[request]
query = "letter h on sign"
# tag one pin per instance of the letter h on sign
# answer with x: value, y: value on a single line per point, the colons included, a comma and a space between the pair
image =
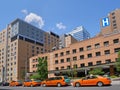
x: 105, y: 22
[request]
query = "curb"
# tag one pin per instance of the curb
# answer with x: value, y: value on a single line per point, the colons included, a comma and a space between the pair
x: 115, y: 83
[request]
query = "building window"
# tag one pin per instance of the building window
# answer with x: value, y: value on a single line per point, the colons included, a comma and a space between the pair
x: 74, y: 51
x: 37, y: 48
x: 81, y: 49
x: 74, y: 58
x: 116, y: 59
x: 56, y: 55
x: 61, y: 54
x: 81, y: 57
x: 107, y: 61
x: 114, y: 25
x: 89, y: 55
x: 67, y: 52
x: 107, y: 52
x: 33, y: 66
x: 43, y: 58
x: 56, y: 61
x: 97, y: 45
x: 37, y: 60
x: 89, y: 47
x: 75, y: 66
x: 113, y: 13
x: 116, y: 41
x: 62, y: 67
x: 68, y: 59
x: 62, y: 60
x: 113, y: 17
x: 33, y: 47
x: 90, y: 64
x: 33, y: 60
x: 37, y: 52
x: 36, y: 65
x: 82, y: 65
x: 68, y: 67
x: 98, y: 62
x: 106, y: 43
x: 116, y: 50
x: 46, y: 57
x: 98, y: 54
x: 56, y: 68
x: 114, y: 21
x: 114, y: 28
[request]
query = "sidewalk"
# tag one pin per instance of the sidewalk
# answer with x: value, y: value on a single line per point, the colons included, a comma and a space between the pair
x: 115, y: 81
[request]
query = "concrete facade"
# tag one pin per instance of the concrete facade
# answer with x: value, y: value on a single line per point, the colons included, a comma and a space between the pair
x: 18, y: 42
x: 99, y: 51
x: 80, y: 33
x: 95, y: 52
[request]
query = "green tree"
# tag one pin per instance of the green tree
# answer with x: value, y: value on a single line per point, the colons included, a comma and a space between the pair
x: 74, y: 71
x: 118, y: 62
x: 35, y: 76
x: 68, y: 73
x: 22, y: 74
x: 96, y: 71
x: 42, y: 69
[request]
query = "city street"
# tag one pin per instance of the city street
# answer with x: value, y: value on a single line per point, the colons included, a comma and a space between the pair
x: 114, y: 86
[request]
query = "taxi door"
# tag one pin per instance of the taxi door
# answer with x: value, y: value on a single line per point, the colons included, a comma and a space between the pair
x: 90, y: 81
x: 49, y: 81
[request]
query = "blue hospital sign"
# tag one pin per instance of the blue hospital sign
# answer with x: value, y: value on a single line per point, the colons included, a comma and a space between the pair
x: 105, y: 22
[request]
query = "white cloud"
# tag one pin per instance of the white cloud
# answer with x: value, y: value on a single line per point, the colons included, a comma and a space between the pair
x: 34, y: 18
x: 24, y: 11
x: 60, y: 26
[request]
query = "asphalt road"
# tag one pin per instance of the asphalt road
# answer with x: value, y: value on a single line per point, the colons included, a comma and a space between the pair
x: 113, y: 87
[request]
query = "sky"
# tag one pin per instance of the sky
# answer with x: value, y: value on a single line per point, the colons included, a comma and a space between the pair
x: 59, y: 16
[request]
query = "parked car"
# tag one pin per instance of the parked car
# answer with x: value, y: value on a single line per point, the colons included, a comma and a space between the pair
x: 31, y: 83
x: 92, y: 80
x: 56, y: 81
x: 4, y: 84
x: 15, y: 83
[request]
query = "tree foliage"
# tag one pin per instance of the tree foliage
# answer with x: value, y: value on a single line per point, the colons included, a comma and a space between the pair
x: 118, y: 62
x: 74, y: 71
x: 42, y: 69
x: 35, y: 76
x: 22, y: 74
x: 96, y: 71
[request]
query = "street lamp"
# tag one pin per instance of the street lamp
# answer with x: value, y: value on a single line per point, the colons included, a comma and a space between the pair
x: 3, y: 73
x: 26, y: 70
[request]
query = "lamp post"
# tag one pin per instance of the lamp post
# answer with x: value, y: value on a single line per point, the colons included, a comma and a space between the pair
x: 71, y: 68
x: 3, y: 73
x: 26, y: 70
x: 85, y: 72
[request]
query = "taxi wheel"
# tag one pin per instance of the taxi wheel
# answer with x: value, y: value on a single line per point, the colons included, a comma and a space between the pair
x: 14, y: 85
x: 99, y: 84
x: 59, y: 84
x: 77, y: 84
x: 44, y: 85
x: 31, y: 85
